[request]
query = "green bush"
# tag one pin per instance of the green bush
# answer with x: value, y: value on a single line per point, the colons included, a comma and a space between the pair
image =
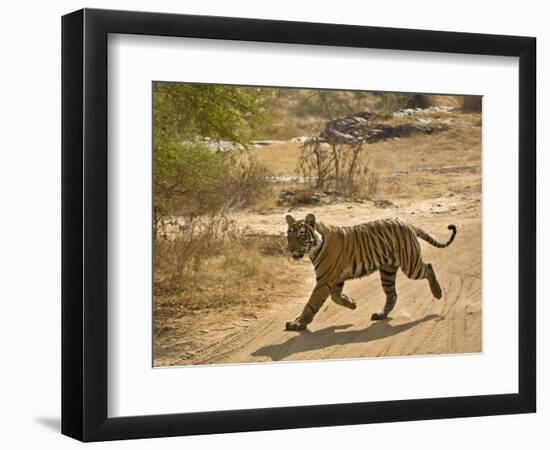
x: 189, y: 177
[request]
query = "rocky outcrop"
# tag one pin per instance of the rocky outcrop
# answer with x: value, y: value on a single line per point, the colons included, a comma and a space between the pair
x: 350, y: 129
x: 356, y: 129
x: 308, y: 197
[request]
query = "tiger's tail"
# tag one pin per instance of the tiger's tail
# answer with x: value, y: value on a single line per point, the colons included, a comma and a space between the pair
x: 430, y: 240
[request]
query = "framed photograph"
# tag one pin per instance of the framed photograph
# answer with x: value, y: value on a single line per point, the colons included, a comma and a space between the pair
x: 273, y: 225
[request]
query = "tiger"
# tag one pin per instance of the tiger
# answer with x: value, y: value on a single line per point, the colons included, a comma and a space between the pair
x: 343, y: 253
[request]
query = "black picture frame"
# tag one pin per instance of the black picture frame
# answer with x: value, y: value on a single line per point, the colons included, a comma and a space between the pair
x: 84, y: 224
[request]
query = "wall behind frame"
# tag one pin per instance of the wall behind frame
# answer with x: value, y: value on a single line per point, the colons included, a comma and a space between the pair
x: 30, y: 225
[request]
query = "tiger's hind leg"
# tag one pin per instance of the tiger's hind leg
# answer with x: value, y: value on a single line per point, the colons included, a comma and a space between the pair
x: 387, y: 276
x: 432, y: 279
x: 421, y: 271
x: 340, y: 298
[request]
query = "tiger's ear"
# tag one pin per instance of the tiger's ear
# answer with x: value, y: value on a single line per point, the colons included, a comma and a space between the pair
x: 310, y: 220
x: 289, y: 219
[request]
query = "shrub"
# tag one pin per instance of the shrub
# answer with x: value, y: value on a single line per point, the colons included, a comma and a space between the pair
x: 244, y: 180
x: 210, y: 265
x: 418, y: 101
x: 179, y: 257
x: 192, y: 179
x: 341, y: 167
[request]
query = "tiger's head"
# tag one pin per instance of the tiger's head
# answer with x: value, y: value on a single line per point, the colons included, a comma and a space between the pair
x: 302, y: 236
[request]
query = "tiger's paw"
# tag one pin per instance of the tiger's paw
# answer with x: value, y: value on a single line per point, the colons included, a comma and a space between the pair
x: 378, y: 316
x: 436, y: 289
x: 295, y: 325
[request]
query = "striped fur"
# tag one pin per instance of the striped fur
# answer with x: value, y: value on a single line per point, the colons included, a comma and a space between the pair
x: 343, y: 253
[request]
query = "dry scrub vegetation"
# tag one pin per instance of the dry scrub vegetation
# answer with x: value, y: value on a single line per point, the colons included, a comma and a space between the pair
x: 212, y: 272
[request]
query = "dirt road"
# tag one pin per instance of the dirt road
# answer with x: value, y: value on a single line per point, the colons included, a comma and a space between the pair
x: 418, y: 325
x: 436, y: 185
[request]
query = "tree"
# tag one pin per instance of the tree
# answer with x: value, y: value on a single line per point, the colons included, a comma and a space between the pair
x: 187, y: 111
x: 186, y: 119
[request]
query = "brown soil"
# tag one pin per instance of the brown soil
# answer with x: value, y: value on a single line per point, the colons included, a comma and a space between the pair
x: 431, y: 181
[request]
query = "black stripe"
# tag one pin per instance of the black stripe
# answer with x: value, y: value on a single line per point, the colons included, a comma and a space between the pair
x: 368, y: 249
x: 320, y: 248
x: 312, y: 308
x: 408, y: 250
x: 360, y: 245
x: 386, y: 272
x: 399, y: 240
x: 376, y: 248
x: 319, y: 262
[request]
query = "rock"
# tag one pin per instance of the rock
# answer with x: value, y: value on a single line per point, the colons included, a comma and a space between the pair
x: 414, y: 111
x: 384, y: 204
x: 348, y: 130
x: 264, y: 143
x: 307, y: 197
x: 299, y: 139
x: 354, y: 129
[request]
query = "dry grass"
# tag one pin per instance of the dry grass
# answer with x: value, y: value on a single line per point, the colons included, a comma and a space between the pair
x: 454, y: 146
x: 245, y: 180
x: 214, y: 277
x: 297, y: 111
x: 280, y: 159
x: 454, y: 101
x: 401, y: 165
x: 464, y: 135
x: 212, y: 266
x: 457, y: 150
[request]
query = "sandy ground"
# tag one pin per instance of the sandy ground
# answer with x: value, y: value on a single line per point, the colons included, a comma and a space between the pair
x: 419, y: 323
x: 432, y: 188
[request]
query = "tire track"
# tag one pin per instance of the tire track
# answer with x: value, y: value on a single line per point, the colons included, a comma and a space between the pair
x: 419, y: 323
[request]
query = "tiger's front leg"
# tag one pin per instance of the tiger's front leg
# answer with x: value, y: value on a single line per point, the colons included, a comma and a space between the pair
x: 316, y: 300
x: 338, y: 297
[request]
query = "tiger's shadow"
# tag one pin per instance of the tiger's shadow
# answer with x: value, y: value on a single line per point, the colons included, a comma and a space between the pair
x: 331, y: 336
